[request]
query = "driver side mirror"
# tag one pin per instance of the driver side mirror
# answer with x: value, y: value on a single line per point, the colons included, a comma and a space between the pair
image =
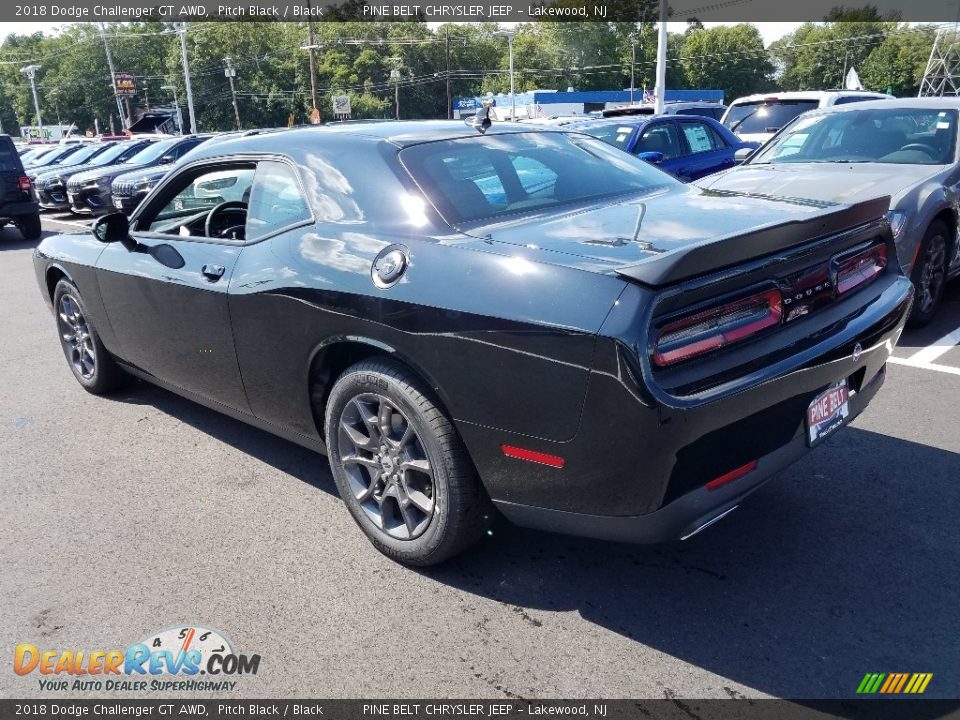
x: 743, y: 154
x: 652, y: 157
x: 112, y: 228
x: 166, y: 159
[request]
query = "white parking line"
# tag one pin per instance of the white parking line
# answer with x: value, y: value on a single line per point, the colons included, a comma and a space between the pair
x: 70, y: 223
x: 937, y: 348
x: 924, y: 366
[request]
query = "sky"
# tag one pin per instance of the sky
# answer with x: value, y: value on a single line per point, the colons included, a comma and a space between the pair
x: 769, y: 30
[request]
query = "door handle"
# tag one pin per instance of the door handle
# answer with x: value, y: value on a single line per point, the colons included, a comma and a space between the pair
x: 212, y: 272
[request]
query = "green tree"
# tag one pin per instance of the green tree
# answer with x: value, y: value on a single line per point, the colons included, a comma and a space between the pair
x: 900, y: 61
x: 729, y: 57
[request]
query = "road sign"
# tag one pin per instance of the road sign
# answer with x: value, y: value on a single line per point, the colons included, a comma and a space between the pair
x: 341, y: 105
x: 124, y: 84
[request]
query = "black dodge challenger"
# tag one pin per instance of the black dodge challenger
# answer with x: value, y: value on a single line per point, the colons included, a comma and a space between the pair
x: 525, y: 317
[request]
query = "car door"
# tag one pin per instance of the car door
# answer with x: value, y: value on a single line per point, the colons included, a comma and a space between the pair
x: 165, y: 290
x: 706, y: 152
x: 660, y: 136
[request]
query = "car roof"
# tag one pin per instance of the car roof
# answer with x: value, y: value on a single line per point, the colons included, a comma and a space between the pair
x: 804, y: 95
x: 401, y: 133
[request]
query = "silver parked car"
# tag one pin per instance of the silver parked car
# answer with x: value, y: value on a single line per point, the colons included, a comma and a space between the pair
x: 905, y: 148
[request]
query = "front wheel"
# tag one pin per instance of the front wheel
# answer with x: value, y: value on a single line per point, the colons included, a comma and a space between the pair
x: 91, y: 364
x: 400, y: 466
x: 929, y: 275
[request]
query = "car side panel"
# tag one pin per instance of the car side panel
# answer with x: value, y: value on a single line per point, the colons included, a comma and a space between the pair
x: 491, y: 333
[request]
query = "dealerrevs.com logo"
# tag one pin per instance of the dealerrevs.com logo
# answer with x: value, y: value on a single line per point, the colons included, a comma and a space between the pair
x: 190, y: 658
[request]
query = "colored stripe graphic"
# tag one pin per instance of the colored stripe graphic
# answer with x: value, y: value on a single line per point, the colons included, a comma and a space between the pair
x: 894, y: 683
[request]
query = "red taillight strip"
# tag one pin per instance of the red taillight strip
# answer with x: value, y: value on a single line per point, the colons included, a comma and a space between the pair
x: 712, y: 329
x: 25, y: 183
x: 519, y: 453
x: 861, y: 268
x: 732, y: 475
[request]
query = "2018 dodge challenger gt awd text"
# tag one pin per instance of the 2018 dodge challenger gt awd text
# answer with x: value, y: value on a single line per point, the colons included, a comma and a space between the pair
x: 526, y: 318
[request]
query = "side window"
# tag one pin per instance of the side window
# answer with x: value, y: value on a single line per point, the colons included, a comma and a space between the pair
x: 700, y: 137
x: 184, y: 148
x: 661, y: 138
x: 843, y: 100
x: 276, y: 200
x: 196, y: 194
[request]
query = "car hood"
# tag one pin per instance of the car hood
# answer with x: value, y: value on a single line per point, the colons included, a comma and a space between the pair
x: 107, y: 171
x: 724, y: 228
x: 839, y: 182
x: 144, y: 173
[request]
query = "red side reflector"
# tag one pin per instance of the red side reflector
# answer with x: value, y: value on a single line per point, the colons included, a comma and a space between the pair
x: 732, y: 475
x: 532, y: 456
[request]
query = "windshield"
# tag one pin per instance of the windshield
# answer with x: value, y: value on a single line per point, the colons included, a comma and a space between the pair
x: 152, y: 153
x: 490, y: 176
x: 56, y: 156
x: 903, y: 136
x: 110, y: 154
x: 81, y: 156
x: 765, y: 116
x: 617, y: 135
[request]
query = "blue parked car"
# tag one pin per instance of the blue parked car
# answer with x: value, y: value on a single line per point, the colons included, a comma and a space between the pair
x: 687, y: 147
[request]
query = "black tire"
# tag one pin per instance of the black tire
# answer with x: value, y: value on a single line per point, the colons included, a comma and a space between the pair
x: 29, y: 226
x: 929, y: 275
x: 460, y: 507
x: 91, y: 364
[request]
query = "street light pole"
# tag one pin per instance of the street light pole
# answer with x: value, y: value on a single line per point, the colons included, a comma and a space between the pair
x: 182, y: 29
x: 508, y: 34
x: 31, y: 72
x: 395, y: 76
x: 231, y: 73
x: 311, y: 44
x: 661, y: 60
x: 633, y: 64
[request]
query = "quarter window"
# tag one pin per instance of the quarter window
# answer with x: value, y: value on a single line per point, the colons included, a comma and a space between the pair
x: 276, y: 201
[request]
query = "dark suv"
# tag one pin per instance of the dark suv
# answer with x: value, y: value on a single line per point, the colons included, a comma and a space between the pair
x: 17, y: 203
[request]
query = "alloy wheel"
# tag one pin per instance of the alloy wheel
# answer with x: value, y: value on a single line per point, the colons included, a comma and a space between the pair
x: 932, y: 274
x: 386, y: 465
x: 76, y: 337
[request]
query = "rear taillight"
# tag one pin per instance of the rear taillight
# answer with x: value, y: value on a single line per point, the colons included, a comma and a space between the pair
x: 717, y: 327
x: 854, y: 271
x: 25, y: 183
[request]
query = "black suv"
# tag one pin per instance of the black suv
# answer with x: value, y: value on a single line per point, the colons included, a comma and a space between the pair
x: 17, y: 203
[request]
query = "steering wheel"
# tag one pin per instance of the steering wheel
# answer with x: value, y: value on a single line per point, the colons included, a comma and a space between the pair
x: 229, y: 207
x: 921, y: 147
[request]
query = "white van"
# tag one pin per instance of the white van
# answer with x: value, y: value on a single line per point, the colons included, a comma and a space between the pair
x: 758, y: 117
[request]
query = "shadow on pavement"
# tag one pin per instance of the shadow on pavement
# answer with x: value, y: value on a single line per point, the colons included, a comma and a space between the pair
x: 844, y: 564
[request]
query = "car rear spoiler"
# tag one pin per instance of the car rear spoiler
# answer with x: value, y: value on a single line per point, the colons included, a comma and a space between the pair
x: 716, y: 254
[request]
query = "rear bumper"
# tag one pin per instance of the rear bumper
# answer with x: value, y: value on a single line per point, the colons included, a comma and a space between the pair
x: 689, y: 513
x: 638, y: 467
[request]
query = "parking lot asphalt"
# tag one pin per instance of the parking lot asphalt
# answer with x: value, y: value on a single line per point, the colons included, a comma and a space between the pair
x: 142, y: 511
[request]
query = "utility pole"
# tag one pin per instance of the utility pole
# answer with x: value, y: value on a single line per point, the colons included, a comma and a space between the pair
x: 231, y: 73
x: 395, y: 76
x: 311, y: 44
x: 633, y: 64
x: 447, y: 55
x: 31, y: 72
x: 508, y: 34
x: 182, y: 29
x: 660, y: 89
x: 176, y: 106
x: 113, y: 73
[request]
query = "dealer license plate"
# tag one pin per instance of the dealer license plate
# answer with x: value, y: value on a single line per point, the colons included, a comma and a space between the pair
x: 828, y: 412
x: 118, y: 203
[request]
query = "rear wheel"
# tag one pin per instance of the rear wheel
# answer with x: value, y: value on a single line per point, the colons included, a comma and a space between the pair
x: 29, y: 226
x: 91, y: 364
x: 400, y: 466
x: 929, y: 274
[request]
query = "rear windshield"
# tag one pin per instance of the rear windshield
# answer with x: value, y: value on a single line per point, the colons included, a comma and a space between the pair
x: 617, y: 135
x: 491, y: 176
x: 765, y: 116
x: 9, y: 160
